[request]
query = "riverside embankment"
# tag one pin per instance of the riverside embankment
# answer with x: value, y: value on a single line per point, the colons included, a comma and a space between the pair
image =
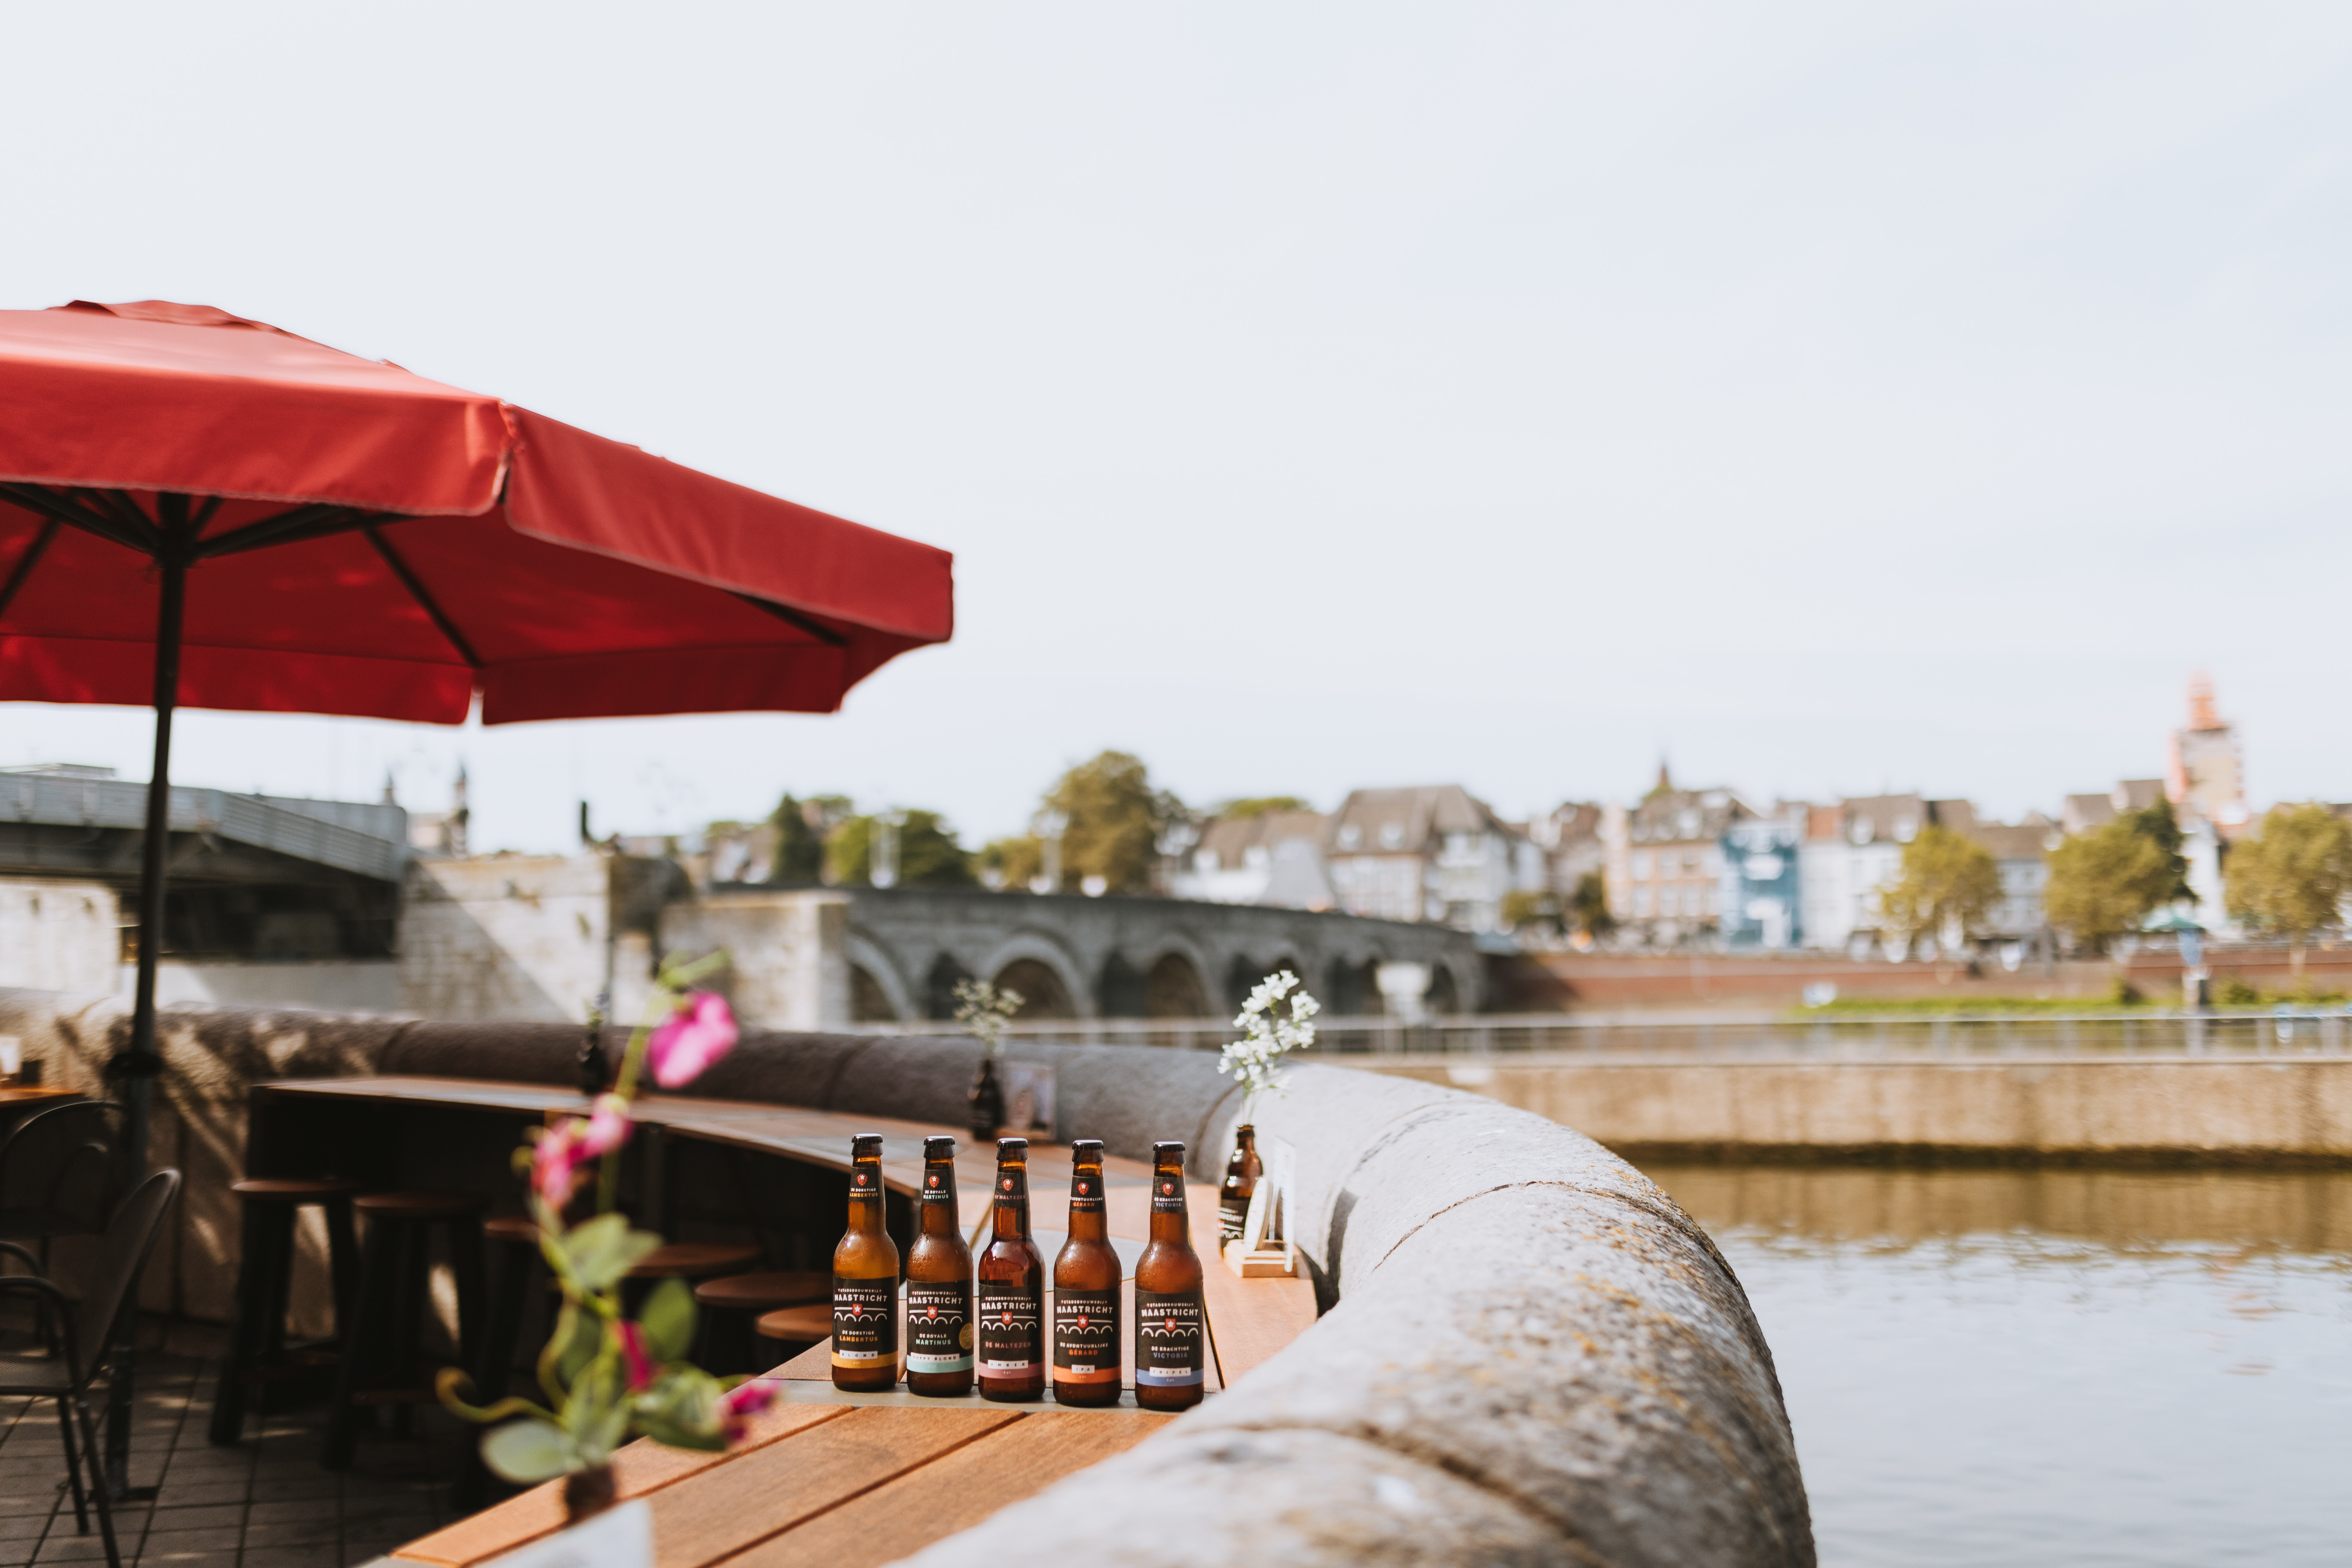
x: 2102, y: 1109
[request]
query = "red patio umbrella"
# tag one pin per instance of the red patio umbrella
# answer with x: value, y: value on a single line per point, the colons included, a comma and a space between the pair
x: 198, y: 508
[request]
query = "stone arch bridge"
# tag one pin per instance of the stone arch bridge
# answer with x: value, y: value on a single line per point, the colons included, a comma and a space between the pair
x: 896, y: 953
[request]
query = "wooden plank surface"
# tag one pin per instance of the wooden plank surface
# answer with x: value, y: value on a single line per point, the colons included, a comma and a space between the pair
x: 720, y: 1511
x: 954, y: 1491
x: 639, y: 1469
x: 1249, y: 1319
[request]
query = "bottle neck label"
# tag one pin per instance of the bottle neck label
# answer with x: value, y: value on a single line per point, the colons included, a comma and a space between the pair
x: 1170, y: 1338
x: 1086, y: 1191
x: 1011, y: 1329
x: 1086, y: 1336
x: 866, y: 1182
x: 865, y: 1322
x: 938, y: 1186
x: 939, y: 1327
x: 1167, y: 1193
x: 1013, y: 1189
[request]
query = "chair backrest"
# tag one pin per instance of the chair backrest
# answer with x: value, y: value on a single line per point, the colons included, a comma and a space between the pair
x: 68, y: 1158
x: 130, y: 1237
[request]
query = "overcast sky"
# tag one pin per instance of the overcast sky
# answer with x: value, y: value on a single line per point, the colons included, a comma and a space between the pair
x: 1828, y: 398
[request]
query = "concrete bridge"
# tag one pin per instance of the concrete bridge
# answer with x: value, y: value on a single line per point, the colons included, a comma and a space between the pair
x: 904, y: 949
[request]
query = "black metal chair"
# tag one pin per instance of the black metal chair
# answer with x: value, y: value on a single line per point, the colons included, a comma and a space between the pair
x: 84, y: 1343
x: 60, y: 1172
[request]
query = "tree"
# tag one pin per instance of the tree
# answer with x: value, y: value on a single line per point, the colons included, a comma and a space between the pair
x: 1112, y: 820
x: 1524, y: 910
x: 1259, y: 806
x: 1009, y: 863
x: 1587, y: 906
x: 2159, y: 826
x: 1948, y: 885
x: 2102, y: 883
x: 2291, y: 877
x: 928, y: 854
x: 801, y: 827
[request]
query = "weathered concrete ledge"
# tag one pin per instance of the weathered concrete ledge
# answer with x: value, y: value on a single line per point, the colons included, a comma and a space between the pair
x: 2284, y: 1111
x: 1529, y: 1354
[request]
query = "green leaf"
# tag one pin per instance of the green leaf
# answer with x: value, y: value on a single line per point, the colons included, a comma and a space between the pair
x: 668, y: 1321
x: 597, y: 1253
x: 581, y: 1334
x: 527, y: 1450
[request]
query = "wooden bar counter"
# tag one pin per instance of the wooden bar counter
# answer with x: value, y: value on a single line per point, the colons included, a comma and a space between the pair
x: 837, y: 1479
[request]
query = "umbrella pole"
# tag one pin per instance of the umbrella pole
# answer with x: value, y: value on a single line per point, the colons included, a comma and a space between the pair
x: 140, y: 1064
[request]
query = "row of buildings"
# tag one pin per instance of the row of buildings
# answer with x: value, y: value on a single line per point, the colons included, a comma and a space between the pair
x: 1685, y: 866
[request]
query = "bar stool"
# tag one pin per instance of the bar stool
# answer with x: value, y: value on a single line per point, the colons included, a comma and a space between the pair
x: 798, y: 1327
x: 385, y: 1324
x: 729, y: 1305
x: 687, y: 1260
x: 265, y: 1273
x: 519, y: 1263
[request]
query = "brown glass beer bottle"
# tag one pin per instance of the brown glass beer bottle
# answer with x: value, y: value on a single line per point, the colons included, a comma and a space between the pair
x: 1242, y: 1171
x: 1086, y: 1290
x: 865, y: 1281
x: 1011, y: 1288
x: 938, y: 1283
x: 1171, y: 1321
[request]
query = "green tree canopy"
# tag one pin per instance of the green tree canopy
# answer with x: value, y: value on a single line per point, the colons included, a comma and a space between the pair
x: 2293, y: 875
x: 1587, y: 906
x: 1259, y: 806
x: 801, y: 827
x: 928, y: 854
x: 1009, y: 863
x: 2160, y: 827
x: 1112, y: 822
x: 2102, y: 883
x: 1948, y: 884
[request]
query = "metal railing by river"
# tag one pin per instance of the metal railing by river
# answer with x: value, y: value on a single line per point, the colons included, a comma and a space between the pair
x: 1668, y: 1039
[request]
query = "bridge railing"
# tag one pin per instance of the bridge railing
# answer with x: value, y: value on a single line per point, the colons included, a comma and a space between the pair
x: 2326, y: 1033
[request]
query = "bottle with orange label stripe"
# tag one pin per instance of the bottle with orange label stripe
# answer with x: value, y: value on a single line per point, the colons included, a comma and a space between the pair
x: 866, y: 1281
x: 1086, y: 1290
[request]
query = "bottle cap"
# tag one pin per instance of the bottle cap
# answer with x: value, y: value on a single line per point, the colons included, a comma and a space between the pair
x: 866, y: 1146
x: 1012, y: 1148
x: 938, y: 1148
x: 1082, y: 1147
x: 1160, y: 1152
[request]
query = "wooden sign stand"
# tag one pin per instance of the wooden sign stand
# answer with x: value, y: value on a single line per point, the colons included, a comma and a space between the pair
x: 1263, y: 1250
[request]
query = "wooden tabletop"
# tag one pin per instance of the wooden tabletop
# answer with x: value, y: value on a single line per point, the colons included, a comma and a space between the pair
x: 21, y: 1094
x: 845, y: 1480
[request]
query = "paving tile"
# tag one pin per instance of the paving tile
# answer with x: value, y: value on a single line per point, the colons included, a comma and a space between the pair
x: 25, y: 1525
x: 188, y: 1542
x: 178, y: 1493
x: 310, y: 1482
x: 294, y: 1533
x: 327, y: 1555
x: 23, y: 1503
x: 287, y: 1511
x: 208, y: 1560
x: 69, y: 1547
x: 199, y: 1518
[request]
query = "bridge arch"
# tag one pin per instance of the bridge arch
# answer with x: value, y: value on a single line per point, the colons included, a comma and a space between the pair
x: 878, y: 992
x: 1038, y: 958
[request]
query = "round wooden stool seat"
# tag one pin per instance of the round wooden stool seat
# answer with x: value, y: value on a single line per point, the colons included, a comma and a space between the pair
x: 695, y: 1260
x: 420, y: 1204
x: 807, y: 1324
x: 291, y: 1189
x: 511, y: 1227
x: 763, y: 1292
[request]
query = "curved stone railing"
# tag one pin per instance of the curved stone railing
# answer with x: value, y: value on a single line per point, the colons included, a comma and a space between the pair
x: 1528, y: 1354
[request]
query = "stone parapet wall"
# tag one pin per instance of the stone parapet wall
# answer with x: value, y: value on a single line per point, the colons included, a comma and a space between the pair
x: 1529, y: 1353
x: 2175, y: 1110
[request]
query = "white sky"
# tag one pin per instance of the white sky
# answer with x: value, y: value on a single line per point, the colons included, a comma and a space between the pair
x: 1834, y: 397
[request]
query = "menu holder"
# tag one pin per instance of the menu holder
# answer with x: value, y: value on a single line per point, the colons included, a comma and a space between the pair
x: 1263, y: 1250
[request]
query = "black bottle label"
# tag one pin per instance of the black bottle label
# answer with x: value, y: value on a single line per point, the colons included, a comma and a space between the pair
x: 865, y: 1182
x: 1172, y: 1338
x: 1167, y: 1194
x: 939, y: 1327
x: 1011, y: 1329
x: 1013, y: 1189
x: 865, y: 1322
x: 1086, y: 1335
x: 938, y: 1186
x: 1086, y: 1191
x: 1232, y: 1216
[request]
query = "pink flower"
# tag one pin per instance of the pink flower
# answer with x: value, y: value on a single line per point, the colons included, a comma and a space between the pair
x: 562, y: 1149
x: 640, y: 1366
x: 740, y: 1402
x: 697, y: 1034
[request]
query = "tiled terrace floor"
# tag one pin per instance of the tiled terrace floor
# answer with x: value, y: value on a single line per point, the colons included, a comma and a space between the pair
x: 264, y: 1504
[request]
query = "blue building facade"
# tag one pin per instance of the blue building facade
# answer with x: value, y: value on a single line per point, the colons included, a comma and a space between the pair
x: 1762, y: 909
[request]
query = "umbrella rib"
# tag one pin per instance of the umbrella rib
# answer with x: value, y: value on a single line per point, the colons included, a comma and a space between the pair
x: 127, y: 512
x: 26, y: 562
x: 33, y: 497
x: 315, y: 520
x: 793, y: 617
x: 416, y: 591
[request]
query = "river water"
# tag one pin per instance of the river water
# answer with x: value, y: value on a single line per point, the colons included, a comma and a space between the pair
x: 2056, y: 1366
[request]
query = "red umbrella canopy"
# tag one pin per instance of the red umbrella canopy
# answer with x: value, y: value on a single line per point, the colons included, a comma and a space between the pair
x: 362, y: 541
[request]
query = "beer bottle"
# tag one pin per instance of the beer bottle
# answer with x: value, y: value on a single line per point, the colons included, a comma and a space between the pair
x: 938, y: 1283
x: 865, y: 1281
x: 1171, y: 1323
x: 1086, y: 1290
x: 1011, y: 1288
x: 1242, y: 1171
